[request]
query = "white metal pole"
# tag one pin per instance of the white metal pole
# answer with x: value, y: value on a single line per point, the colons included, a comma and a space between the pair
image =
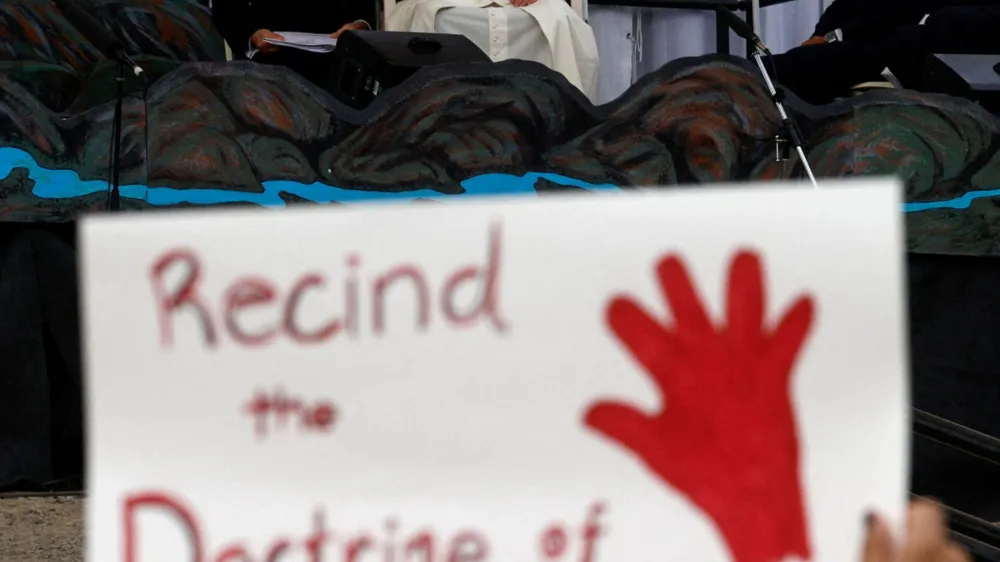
x: 793, y: 135
x: 755, y: 12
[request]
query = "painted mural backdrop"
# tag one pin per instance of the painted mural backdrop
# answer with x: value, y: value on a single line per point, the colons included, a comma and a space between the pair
x: 201, y: 131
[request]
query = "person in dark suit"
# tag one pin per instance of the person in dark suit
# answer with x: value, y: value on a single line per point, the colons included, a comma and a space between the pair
x: 858, y: 41
x: 246, y: 24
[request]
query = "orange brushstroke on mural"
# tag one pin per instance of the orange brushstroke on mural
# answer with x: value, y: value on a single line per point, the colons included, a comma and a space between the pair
x: 772, y: 171
x: 262, y: 108
x: 32, y: 33
x: 170, y: 33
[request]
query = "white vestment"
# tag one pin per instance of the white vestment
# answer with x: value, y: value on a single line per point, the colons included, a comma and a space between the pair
x: 564, y: 42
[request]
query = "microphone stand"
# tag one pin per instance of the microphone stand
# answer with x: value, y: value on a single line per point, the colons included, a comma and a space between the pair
x: 114, y: 191
x: 109, y: 45
x: 114, y: 194
x: 790, y: 127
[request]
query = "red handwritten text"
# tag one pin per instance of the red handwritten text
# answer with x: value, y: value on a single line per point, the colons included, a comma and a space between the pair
x: 556, y: 543
x: 225, y: 314
x: 278, y: 410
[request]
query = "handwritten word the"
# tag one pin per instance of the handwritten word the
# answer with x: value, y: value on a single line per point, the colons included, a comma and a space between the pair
x: 284, y: 411
x: 364, y: 303
x: 322, y: 544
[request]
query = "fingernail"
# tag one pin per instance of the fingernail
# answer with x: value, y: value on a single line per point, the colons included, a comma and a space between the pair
x: 869, y: 520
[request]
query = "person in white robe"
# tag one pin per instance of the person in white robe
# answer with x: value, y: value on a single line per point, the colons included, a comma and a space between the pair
x: 548, y: 32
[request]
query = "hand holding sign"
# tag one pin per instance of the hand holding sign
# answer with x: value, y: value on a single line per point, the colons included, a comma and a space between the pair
x: 720, y: 382
x: 926, y: 539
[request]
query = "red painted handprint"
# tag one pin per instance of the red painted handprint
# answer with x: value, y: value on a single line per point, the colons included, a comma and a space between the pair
x: 726, y: 437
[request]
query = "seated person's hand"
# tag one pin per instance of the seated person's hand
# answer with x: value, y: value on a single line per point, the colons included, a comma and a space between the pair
x: 817, y: 40
x: 353, y: 26
x: 259, y: 43
x: 522, y: 3
x: 926, y: 538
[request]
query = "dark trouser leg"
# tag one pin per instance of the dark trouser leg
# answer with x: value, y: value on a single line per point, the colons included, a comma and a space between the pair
x: 25, y: 447
x: 820, y: 73
x: 41, y: 425
x: 55, y: 261
x: 965, y: 29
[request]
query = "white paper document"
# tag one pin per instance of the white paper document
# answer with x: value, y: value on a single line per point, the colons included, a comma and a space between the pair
x: 715, y: 376
x: 312, y: 42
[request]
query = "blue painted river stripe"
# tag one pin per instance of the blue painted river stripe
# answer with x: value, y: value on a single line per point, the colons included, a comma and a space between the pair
x: 66, y: 184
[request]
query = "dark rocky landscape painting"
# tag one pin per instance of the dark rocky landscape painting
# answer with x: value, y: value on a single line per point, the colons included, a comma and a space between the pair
x: 201, y: 131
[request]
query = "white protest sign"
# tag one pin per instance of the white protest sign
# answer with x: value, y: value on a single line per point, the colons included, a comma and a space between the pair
x: 676, y: 376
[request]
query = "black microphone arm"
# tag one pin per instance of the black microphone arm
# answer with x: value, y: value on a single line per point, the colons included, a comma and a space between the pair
x: 92, y: 29
x: 743, y: 29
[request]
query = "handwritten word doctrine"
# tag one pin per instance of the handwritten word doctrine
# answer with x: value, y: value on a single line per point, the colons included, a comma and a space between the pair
x: 257, y: 293
x: 556, y: 543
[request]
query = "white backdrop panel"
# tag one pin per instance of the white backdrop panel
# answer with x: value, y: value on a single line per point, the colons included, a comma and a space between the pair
x: 663, y: 35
